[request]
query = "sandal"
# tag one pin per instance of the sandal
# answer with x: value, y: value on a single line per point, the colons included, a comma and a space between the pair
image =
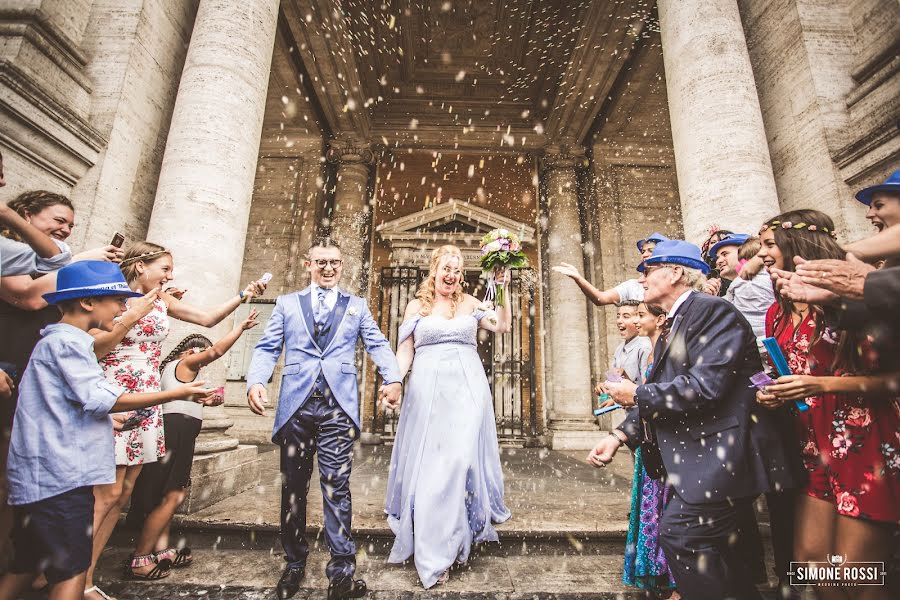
x: 444, y: 578
x: 159, y: 571
x: 95, y: 590
x: 179, y: 558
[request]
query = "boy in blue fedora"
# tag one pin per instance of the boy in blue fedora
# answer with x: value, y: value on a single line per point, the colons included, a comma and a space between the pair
x: 62, y: 442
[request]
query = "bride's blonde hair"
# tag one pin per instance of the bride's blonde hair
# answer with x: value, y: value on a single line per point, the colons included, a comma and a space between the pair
x: 426, y: 293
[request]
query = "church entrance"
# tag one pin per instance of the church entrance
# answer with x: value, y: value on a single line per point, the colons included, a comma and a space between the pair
x: 508, y: 359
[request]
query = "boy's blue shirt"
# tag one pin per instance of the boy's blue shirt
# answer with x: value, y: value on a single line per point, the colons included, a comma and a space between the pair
x: 62, y: 435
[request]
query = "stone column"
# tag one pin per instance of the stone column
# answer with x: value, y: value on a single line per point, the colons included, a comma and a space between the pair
x: 203, y: 197
x: 721, y: 153
x: 352, y: 213
x: 571, y: 426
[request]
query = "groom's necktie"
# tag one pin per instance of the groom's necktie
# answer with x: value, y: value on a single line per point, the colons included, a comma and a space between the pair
x: 321, y: 312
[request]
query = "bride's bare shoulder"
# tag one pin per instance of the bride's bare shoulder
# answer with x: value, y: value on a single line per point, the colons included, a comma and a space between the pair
x: 414, y: 306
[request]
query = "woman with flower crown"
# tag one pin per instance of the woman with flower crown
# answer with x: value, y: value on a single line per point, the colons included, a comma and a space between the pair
x: 445, y: 486
x: 848, y: 437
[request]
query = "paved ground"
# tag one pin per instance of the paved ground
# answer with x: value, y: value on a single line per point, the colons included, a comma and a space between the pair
x: 565, y: 539
x: 548, y: 492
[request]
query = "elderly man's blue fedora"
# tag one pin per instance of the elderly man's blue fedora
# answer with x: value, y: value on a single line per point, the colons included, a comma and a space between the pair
x: 653, y: 237
x: 676, y: 252
x: 890, y: 185
x: 89, y: 278
x: 732, y: 239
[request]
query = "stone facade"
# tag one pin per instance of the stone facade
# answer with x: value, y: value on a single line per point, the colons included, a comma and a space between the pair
x: 673, y: 117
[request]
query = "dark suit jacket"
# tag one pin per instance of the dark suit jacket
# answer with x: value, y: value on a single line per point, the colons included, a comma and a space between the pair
x: 876, y: 316
x: 711, y: 438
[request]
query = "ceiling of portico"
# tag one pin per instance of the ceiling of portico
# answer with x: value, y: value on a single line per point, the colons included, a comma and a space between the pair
x: 477, y: 74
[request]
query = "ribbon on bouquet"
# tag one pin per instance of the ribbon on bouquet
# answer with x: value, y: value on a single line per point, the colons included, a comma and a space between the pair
x: 493, y: 292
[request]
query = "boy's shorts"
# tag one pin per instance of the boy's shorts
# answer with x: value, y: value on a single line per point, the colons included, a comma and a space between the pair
x: 53, y: 536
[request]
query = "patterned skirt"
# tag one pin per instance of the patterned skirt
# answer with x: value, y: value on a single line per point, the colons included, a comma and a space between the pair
x: 645, y: 564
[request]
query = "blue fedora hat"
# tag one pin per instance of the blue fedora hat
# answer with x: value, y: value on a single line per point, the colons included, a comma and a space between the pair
x: 89, y: 278
x: 891, y: 185
x: 732, y: 239
x: 676, y: 252
x: 653, y: 237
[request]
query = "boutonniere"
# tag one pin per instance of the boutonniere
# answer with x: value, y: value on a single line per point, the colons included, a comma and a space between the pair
x: 352, y: 311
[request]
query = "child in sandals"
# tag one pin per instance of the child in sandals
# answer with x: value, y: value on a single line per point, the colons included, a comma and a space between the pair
x: 162, y: 486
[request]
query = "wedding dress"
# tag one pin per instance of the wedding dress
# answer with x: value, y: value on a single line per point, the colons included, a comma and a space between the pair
x: 445, y: 486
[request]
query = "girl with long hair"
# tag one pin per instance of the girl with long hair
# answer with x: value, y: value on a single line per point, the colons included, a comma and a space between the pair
x: 445, y: 487
x: 130, y: 356
x: 849, y: 434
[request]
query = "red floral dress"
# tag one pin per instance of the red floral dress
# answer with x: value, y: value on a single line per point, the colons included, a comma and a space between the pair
x: 134, y: 364
x: 850, y: 444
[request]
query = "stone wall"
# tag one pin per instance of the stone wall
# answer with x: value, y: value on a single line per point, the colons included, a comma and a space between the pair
x: 827, y: 80
x: 633, y: 189
x: 136, y: 51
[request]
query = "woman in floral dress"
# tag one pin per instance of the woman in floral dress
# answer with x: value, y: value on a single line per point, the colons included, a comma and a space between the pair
x: 850, y: 436
x: 130, y: 356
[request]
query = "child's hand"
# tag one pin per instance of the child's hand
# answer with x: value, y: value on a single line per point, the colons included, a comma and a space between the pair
x: 250, y: 322
x: 196, y: 391
x: 175, y: 292
x: 118, y: 420
x: 138, y: 308
x: 6, y: 385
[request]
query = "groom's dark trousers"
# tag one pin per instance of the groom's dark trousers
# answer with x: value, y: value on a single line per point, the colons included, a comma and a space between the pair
x: 319, y: 427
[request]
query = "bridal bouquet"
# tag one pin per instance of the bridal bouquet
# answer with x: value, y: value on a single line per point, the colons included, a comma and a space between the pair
x: 500, y: 249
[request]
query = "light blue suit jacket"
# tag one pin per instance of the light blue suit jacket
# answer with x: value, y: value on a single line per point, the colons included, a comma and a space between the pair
x: 291, y: 328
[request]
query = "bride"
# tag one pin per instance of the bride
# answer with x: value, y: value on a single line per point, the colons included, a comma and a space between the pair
x: 445, y: 487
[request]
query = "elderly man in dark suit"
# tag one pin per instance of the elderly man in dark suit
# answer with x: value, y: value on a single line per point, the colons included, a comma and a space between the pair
x: 700, y: 427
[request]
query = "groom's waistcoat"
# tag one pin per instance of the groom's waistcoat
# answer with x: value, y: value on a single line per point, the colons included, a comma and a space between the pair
x: 327, y: 355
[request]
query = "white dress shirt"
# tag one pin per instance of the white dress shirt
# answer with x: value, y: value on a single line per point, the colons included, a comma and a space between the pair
x: 331, y: 298
x: 674, y: 310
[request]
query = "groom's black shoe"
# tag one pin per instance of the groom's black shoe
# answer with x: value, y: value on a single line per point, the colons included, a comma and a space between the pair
x: 290, y: 580
x: 346, y: 587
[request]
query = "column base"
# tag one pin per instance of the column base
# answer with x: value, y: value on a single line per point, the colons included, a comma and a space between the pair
x: 573, y: 434
x: 220, y: 475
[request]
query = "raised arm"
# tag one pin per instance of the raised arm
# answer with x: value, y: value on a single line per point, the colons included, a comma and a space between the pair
x: 189, y: 367
x: 600, y: 298
x: 208, y: 317
x: 41, y: 243
x: 885, y: 244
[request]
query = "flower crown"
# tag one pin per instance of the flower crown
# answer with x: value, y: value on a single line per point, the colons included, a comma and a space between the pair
x: 791, y: 225
x: 144, y: 256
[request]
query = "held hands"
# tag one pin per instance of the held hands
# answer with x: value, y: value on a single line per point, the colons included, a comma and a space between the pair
x: 257, y: 399
x: 604, y: 451
x: 108, y: 253
x: 389, y: 395
x: 567, y: 270
x: 621, y: 392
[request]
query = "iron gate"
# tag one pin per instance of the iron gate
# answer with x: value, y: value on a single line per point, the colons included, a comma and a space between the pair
x: 508, y: 358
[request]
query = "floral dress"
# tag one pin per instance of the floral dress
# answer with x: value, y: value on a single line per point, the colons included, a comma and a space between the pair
x: 646, y: 567
x: 134, y: 364
x: 850, y: 444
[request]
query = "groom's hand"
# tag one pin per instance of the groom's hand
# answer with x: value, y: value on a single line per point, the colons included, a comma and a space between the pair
x: 256, y: 399
x: 390, y: 393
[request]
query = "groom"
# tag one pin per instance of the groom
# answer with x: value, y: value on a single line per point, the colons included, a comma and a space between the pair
x: 318, y: 409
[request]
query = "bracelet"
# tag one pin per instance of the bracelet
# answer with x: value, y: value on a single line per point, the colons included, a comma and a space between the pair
x: 241, y: 294
x: 613, y: 434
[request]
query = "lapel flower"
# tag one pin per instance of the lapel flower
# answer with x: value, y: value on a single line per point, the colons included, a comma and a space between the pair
x: 352, y: 311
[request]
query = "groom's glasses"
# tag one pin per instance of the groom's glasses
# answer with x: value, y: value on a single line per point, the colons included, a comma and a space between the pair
x: 334, y: 263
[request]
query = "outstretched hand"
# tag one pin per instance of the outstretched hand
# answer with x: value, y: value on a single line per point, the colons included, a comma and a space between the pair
x: 845, y: 278
x: 604, y: 451
x: 567, y: 270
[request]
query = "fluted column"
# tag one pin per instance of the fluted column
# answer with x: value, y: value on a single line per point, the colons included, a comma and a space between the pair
x: 721, y: 153
x: 205, y: 186
x: 571, y: 423
x: 352, y: 213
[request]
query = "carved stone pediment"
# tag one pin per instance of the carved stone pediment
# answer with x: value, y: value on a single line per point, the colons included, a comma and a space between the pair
x: 452, y: 222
